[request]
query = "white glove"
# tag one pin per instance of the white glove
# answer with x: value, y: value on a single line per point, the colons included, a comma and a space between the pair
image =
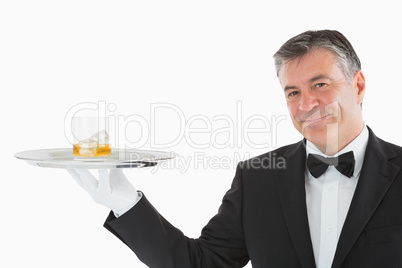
x: 113, y: 190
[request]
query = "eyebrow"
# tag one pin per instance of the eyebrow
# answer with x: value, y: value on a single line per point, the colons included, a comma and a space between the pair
x: 319, y: 77
x: 311, y: 80
x: 289, y: 88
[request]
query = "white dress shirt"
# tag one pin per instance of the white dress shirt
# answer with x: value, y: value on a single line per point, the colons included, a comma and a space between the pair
x: 328, y: 199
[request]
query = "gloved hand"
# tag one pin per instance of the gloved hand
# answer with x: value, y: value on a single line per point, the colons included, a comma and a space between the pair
x: 112, y: 190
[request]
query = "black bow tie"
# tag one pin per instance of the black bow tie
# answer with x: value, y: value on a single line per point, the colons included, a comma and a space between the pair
x: 318, y: 164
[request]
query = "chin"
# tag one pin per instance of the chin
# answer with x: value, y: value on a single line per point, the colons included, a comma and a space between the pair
x: 317, y: 134
x: 317, y: 127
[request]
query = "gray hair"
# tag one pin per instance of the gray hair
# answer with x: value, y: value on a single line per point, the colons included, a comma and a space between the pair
x: 332, y: 41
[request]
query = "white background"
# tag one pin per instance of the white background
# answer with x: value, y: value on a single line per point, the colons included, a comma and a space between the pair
x: 202, y: 57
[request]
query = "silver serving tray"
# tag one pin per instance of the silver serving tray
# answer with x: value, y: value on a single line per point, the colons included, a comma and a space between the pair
x: 119, y: 158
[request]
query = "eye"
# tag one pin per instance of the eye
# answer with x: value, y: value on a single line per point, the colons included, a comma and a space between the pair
x: 319, y: 85
x: 292, y: 94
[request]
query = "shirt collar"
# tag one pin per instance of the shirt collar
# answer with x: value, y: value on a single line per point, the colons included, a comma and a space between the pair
x: 358, y: 146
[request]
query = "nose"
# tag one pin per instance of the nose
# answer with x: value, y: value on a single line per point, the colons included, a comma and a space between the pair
x: 308, y: 101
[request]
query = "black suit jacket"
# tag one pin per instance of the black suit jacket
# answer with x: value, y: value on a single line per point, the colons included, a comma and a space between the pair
x: 263, y: 218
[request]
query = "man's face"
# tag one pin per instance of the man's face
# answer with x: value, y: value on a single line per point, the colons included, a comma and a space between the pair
x: 323, y: 106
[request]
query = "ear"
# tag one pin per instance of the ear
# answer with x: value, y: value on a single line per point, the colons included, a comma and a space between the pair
x: 359, y: 85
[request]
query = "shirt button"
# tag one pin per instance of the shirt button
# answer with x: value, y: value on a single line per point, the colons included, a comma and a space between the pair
x: 330, y: 188
x: 329, y: 229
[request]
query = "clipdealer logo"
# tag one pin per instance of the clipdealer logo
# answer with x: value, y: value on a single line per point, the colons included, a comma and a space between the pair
x: 166, y: 126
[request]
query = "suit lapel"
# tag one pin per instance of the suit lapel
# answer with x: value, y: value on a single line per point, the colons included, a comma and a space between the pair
x: 376, y: 176
x: 291, y: 187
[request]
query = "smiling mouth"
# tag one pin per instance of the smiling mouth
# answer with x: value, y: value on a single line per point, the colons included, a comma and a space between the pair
x: 314, y: 120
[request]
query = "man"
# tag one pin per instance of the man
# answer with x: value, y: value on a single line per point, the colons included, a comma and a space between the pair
x: 335, y: 202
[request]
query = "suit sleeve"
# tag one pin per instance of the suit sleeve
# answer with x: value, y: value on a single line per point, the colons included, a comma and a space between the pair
x: 157, y: 243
